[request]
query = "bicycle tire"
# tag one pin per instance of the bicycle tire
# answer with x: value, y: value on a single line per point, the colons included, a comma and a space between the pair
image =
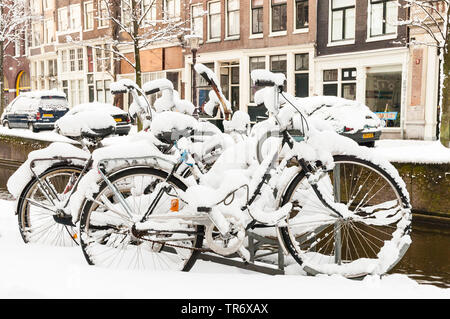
x: 324, y: 244
x: 65, y: 234
x: 86, y: 239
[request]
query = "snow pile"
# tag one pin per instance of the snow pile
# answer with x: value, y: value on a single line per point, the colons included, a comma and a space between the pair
x: 44, y: 93
x: 122, y: 86
x: 17, y: 182
x: 158, y: 84
x: 265, y: 76
x: 240, y: 122
x: 87, y: 117
x: 412, y: 151
x: 339, y: 113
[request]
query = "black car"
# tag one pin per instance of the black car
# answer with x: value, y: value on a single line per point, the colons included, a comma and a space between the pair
x: 36, y: 110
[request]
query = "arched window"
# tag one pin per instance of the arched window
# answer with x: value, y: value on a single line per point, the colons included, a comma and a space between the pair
x: 22, y: 82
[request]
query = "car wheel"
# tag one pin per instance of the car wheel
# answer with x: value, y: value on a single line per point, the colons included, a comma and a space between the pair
x: 31, y: 127
x: 6, y: 124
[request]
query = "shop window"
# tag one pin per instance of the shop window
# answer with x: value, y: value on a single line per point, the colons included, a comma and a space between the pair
x: 383, y: 95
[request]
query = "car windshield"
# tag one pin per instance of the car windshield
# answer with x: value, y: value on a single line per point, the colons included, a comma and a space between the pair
x: 54, y: 103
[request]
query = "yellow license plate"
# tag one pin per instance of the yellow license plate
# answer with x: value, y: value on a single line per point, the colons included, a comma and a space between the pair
x: 48, y: 115
x: 368, y: 135
x: 118, y: 120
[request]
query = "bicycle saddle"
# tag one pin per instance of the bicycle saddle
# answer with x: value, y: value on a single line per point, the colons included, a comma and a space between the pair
x: 95, y: 134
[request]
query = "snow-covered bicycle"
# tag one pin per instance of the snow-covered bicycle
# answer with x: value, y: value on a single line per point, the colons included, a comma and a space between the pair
x: 334, y: 206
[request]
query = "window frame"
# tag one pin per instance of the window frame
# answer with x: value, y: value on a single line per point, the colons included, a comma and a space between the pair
x: 87, y: 14
x: 227, y: 19
x: 219, y: 15
x: 252, y: 9
x: 198, y: 17
x: 277, y: 5
x: 306, y: 26
x: 384, y: 22
x: 344, y: 11
x: 301, y: 71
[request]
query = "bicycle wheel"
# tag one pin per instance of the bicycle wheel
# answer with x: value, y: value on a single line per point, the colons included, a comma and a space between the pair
x: 371, y: 240
x: 106, y: 231
x: 36, y: 211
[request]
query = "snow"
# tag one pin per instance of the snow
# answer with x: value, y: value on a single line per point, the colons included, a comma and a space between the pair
x: 62, y: 272
x: 267, y: 76
x: 413, y: 151
x: 44, y: 93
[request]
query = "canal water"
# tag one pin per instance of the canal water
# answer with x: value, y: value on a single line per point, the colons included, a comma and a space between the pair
x: 427, y: 260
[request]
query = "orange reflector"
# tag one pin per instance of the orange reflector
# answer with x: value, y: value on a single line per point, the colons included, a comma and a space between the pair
x: 75, y: 236
x: 174, y: 205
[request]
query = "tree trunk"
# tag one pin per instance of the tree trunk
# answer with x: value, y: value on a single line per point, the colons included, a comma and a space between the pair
x: 137, y: 57
x: 445, y: 107
x: 2, y: 85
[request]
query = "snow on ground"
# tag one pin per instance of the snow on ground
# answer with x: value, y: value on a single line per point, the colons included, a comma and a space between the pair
x: 32, y: 271
x: 413, y: 151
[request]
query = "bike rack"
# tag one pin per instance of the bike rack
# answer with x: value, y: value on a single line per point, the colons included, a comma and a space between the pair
x: 256, y: 243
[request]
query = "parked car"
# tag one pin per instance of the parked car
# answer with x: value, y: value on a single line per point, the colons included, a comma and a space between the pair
x: 122, y: 118
x: 37, y: 110
x: 347, y: 117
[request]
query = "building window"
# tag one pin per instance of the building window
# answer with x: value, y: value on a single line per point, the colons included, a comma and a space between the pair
x: 255, y: 63
x: 36, y: 34
x: 52, y: 67
x: 232, y: 18
x: 80, y: 57
x: 103, y: 91
x: 342, y: 20
x: 99, y: 60
x: 72, y: 60
x: 149, y: 9
x: 80, y: 90
x: 383, y: 16
x: 88, y: 15
x: 302, y: 75
x: 214, y: 20
x: 48, y: 31
x: 383, y: 94
x: 197, y: 19
x: 348, y: 85
x: 75, y: 17
x: 301, y: 14
x: 278, y: 64
x: 279, y: 17
x: 172, y: 8
x: 64, y: 61
x: 102, y: 9
x: 331, y: 87
x: 257, y: 16
x: 63, y: 19
x: 229, y: 80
